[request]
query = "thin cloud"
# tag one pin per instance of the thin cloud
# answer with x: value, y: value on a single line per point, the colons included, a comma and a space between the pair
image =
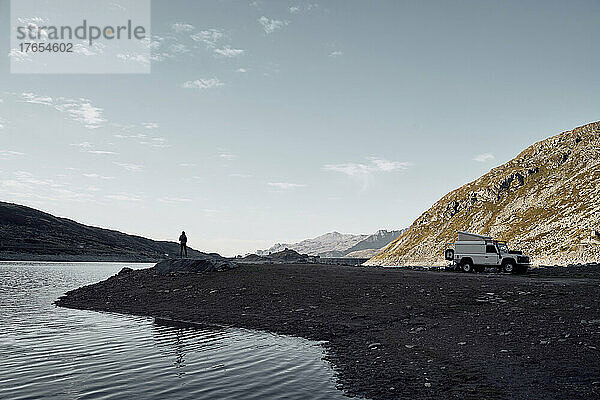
x: 175, y: 200
x: 484, y: 157
x: 86, y: 50
x: 10, y: 155
x: 181, y: 27
x: 80, y: 110
x: 86, y: 147
x: 33, y: 21
x: 131, y: 136
x: 179, y: 48
x: 184, y: 40
x: 210, y: 37
x: 350, y: 169
x: 134, y: 58
x: 155, y: 45
x: 83, y: 111
x: 123, y: 197
x: 286, y: 185
x: 210, y: 212
x: 389, y: 166
x: 336, y: 53
x: 159, y: 142
x: 202, y: 84
x: 241, y: 70
x: 37, y: 99
x: 129, y: 167
x: 25, y: 185
x: 161, y: 48
x: 96, y: 176
x: 100, y: 152
x: 270, y: 25
x: 302, y: 8
x: 19, y: 56
x: 228, y: 52
x: 375, y: 165
x: 228, y: 156
x: 143, y: 138
x: 155, y: 142
x: 158, y: 57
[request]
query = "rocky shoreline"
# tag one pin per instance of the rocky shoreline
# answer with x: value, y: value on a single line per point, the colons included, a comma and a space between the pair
x: 396, y: 333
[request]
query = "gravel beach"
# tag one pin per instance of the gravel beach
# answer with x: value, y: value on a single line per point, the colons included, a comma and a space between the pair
x: 397, y: 333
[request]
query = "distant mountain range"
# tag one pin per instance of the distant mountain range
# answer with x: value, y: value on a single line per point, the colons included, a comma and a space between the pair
x: 335, y: 244
x: 30, y: 234
x: 545, y: 202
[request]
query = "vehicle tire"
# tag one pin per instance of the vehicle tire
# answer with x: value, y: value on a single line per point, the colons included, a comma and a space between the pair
x: 479, y: 268
x: 509, y: 267
x: 449, y: 254
x: 466, y: 266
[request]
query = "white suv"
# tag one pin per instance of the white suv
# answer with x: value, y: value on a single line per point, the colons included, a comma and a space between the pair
x: 473, y: 253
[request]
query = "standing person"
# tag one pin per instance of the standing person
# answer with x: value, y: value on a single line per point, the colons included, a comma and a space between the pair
x: 183, y: 242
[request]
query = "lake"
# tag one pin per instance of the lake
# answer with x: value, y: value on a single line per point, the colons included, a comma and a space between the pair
x: 56, y: 353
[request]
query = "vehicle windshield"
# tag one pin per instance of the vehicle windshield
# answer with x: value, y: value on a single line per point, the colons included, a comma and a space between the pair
x: 503, y: 247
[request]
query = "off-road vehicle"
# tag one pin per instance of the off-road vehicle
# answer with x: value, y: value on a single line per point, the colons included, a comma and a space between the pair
x: 473, y: 253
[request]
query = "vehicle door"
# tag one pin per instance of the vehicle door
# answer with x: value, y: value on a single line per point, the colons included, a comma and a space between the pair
x: 491, y: 255
x: 477, y: 252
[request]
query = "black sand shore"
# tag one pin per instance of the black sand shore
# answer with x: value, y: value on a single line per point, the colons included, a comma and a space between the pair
x: 395, y: 333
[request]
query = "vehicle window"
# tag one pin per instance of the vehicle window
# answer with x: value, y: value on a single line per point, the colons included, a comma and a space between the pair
x: 490, y: 248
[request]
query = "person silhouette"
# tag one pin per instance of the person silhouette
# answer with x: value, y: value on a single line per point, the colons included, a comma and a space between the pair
x: 183, y: 242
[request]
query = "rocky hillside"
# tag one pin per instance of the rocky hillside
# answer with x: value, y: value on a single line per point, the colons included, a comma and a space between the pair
x: 375, y: 242
x: 29, y: 234
x: 335, y: 244
x: 546, y: 202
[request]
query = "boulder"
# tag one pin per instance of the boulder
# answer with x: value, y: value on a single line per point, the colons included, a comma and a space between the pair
x: 125, y: 271
x: 207, y: 263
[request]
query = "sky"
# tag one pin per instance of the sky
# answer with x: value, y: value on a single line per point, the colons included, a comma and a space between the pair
x: 276, y: 121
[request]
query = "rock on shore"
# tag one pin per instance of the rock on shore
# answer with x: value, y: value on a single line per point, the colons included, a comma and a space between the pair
x: 204, y: 263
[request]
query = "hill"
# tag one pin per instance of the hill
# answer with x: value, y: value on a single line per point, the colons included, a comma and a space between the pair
x: 30, y: 234
x: 367, y: 253
x: 544, y: 202
x: 375, y: 242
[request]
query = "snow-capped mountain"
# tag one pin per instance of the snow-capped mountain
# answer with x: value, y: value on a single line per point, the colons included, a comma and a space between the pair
x: 335, y: 244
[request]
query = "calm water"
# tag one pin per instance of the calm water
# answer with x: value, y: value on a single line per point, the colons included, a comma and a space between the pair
x: 56, y: 353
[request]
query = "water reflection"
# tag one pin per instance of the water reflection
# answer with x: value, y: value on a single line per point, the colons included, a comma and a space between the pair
x: 57, y: 353
x: 183, y: 337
